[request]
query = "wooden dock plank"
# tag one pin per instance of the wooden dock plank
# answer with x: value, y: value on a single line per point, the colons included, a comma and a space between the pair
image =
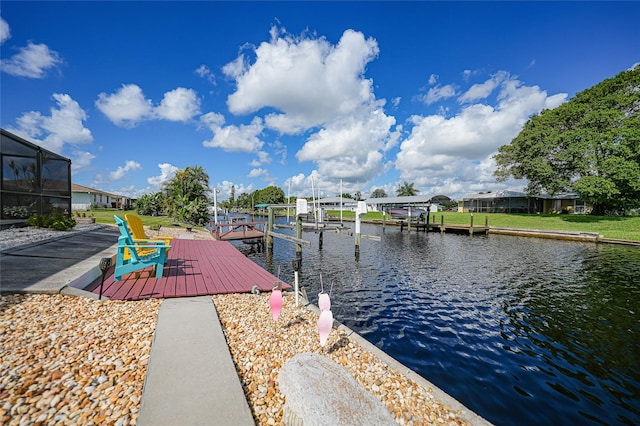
x: 194, y: 267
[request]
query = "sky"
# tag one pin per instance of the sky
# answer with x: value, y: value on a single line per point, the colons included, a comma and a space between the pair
x: 300, y: 95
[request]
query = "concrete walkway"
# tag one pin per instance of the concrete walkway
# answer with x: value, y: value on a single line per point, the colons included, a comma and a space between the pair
x: 191, y: 378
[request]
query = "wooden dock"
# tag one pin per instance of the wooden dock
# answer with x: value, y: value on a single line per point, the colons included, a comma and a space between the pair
x: 458, y: 229
x: 194, y: 268
x: 433, y: 226
x: 240, y: 231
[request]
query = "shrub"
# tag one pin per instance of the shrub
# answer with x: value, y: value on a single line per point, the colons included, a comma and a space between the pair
x: 57, y: 221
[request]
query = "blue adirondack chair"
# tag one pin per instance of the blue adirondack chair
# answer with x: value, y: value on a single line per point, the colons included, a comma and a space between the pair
x: 141, y: 254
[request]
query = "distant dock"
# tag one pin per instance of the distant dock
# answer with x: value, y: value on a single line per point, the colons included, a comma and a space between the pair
x: 456, y: 228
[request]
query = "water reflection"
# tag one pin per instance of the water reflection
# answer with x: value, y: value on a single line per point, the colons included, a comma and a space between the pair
x: 530, y: 329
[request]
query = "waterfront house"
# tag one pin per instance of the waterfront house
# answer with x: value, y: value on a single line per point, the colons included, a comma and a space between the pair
x: 519, y: 202
x: 83, y: 198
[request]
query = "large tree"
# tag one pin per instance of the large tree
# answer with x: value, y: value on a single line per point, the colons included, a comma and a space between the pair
x: 269, y: 195
x: 378, y: 193
x: 186, y: 196
x: 589, y: 145
x: 406, y: 190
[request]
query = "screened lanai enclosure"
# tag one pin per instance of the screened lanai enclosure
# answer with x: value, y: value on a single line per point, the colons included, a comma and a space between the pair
x: 34, y: 180
x: 519, y: 202
x: 501, y: 202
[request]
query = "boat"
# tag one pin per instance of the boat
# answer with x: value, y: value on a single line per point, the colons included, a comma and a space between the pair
x: 403, y: 212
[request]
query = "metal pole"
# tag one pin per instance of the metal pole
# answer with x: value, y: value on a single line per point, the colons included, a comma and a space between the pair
x: 357, y: 235
x: 299, y: 236
x: 296, y: 286
x: 340, y: 201
x: 215, y: 206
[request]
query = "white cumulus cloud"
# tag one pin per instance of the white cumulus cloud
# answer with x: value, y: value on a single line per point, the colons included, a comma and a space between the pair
x: 65, y: 125
x: 243, y: 138
x: 5, y: 31
x: 308, y: 80
x: 167, y: 171
x: 126, y: 107
x: 121, y: 171
x: 31, y: 61
x: 438, y: 93
x: 179, y: 105
x: 81, y: 160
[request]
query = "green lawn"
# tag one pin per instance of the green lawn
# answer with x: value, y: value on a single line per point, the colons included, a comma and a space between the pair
x: 627, y: 228
x: 106, y: 216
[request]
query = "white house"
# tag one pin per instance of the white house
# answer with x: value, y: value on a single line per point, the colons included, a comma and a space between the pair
x: 83, y: 197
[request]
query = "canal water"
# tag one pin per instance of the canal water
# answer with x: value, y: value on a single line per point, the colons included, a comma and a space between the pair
x: 520, y: 330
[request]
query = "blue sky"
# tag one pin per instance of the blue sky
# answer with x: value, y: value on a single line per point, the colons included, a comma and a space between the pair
x: 283, y: 93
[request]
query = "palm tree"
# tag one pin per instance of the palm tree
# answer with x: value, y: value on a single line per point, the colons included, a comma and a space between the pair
x: 186, y: 195
x: 406, y: 190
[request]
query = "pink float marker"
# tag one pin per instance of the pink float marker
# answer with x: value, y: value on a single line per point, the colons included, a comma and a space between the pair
x: 325, y: 322
x: 324, y: 303
x: 275, y: 300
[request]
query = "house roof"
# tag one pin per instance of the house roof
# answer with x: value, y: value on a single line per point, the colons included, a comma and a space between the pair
x: 79, y: 188
x: 496, y: 194
x: 336, y: 200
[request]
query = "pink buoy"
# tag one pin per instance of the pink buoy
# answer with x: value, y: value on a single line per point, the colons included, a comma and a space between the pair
x: 325, y: 322
x: 324, y: 303
x: 275, y: 302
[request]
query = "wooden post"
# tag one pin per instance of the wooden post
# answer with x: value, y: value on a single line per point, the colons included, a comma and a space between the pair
x: 320, y: 239
x: 442, y: 224
x: 409, y: 220
x: 270, y: 229
x: 471, y: 226
x: 486, y: 221
x: 384, y: 219
x: 360, y: 210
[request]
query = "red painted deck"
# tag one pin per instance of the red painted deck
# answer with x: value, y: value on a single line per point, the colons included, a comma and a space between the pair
x: 194, y: 268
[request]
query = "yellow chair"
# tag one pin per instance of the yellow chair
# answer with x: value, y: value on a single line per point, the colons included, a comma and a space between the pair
x: 132, y: 257
x: 139, y: 235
